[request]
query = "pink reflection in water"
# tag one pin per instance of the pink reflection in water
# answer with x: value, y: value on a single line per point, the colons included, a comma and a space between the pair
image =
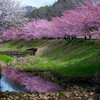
x: 32, y: 83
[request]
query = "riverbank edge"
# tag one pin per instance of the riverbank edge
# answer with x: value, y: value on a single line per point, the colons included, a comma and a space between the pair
x: 71, y: 93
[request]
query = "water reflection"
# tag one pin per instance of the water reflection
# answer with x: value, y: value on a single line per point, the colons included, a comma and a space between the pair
x: 11, y: 85
x: 29, y: 81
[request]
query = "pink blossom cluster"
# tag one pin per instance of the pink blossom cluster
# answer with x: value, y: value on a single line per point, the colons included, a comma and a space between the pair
x: 83, y: 20
x: 31, y: 82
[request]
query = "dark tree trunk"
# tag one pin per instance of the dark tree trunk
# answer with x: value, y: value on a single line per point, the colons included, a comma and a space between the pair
x: 85, y: 38
x: 69, y: 37
x: 90, y: 37
x: 73, y: 37
x: 64, y: 38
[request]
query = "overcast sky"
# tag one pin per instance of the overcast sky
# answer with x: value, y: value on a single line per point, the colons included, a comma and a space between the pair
x: 36, y: 3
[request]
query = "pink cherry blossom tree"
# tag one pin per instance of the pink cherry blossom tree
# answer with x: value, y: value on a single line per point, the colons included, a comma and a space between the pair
x: 84, y: 20
x: 38, y: 29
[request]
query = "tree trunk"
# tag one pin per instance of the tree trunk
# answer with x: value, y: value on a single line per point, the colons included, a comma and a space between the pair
x: 90, y: 37
x: 73, y: 37
x: 85, y: 38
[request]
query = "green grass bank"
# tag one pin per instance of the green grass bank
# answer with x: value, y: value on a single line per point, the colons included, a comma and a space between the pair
x: 63, y: 58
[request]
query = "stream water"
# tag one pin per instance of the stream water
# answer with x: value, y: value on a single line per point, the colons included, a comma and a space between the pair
x: 13, y: 80
x: 11, y: 85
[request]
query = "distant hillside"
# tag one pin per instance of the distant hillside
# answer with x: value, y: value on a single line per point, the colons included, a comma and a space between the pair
x: 56, y: 9
x: 28, y: 10
x: 52, y: 11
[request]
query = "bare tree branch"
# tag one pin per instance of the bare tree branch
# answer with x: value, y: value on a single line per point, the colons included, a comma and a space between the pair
x: 11, y: 15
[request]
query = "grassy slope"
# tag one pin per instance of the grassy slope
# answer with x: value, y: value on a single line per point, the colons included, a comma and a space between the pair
x: 6, y: 58
x: 64, y: 58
